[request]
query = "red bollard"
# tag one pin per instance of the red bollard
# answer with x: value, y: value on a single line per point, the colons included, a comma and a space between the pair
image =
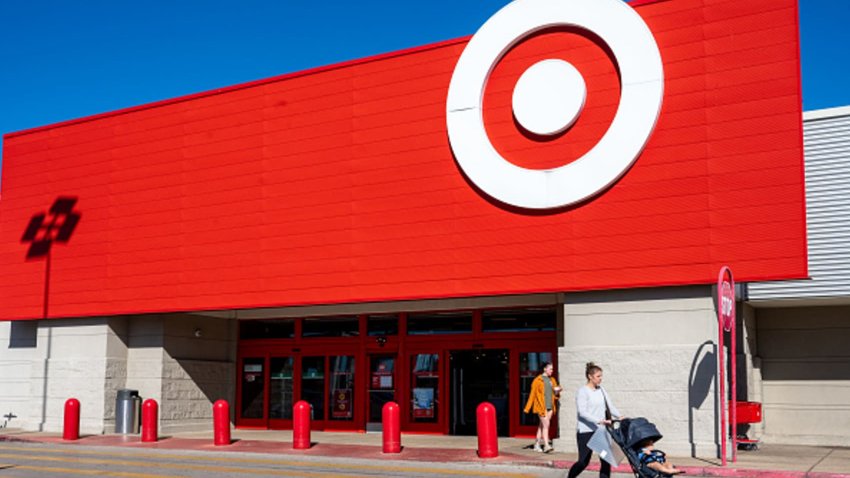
x: 150, y: 421
x: 392, y: 428
x: 221, y: 423
x: 301, y: 425
x: 488, y: 442
x: 71, y: 429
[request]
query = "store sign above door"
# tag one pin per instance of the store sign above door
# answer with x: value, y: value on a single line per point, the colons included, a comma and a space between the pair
x: 549, y: 98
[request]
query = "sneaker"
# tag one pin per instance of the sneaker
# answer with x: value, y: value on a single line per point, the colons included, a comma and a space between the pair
x: 538, y: 448
x: 548, y: 449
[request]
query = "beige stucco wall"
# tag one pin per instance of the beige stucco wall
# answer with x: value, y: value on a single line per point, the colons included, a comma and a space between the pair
x: 658, y: 351
x: 183, y: 371
x: 196, y: 371
x: 16, y: 358
x: 72, y: 358
x: 805, y: 372
x: 91, y: 359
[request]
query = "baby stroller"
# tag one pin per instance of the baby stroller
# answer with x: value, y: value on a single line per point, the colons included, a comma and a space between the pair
x: 627, y: 434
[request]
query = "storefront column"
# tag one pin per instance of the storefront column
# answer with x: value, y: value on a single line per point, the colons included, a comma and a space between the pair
x: 657, y: 348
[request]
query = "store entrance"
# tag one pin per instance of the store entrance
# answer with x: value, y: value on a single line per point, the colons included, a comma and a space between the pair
x: 477, y: 376
x: 382, y: 388
x: 438, y: 368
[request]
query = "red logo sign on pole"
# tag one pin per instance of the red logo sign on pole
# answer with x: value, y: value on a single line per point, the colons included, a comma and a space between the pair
x: 726, y: 323
x: 726, y: 290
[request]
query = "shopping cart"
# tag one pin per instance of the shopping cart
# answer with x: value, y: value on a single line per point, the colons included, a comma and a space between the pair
x: 747, y: 413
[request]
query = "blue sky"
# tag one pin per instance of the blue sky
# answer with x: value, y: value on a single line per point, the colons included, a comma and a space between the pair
x: 67, y: 59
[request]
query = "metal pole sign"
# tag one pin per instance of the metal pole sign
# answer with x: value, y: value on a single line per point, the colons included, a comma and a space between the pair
x: 726, y: 323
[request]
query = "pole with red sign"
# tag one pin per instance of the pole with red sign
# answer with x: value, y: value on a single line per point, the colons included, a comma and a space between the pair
x: 726, y: 323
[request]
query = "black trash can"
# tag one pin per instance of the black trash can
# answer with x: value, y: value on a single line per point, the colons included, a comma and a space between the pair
x: 128, y: 406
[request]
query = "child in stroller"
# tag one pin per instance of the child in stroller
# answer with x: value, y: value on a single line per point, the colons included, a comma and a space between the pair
x: 654, y: 459
x: 637, y: 437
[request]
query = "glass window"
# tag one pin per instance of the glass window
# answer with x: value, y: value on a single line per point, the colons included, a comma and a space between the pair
x: 518, y: 320
x: 267, y: 329
x: 530, y: 366
x: 382, y: 325
x: 381, y: 385
x: 280, y: 388
x: 341, y: 388
x: 424, y: 389
x: 313, y: 384
x: 253, y: 386
x: 23, y: 334
x: 439, y: 323
x: 330, y: 327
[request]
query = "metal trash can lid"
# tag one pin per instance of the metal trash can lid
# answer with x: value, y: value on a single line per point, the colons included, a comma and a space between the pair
x: 127, y: 394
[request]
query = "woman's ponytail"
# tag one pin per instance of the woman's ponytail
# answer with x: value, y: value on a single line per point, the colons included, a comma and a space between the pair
x: 590, y: 369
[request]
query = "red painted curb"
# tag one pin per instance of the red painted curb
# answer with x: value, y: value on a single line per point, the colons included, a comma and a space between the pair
x: 720, y: 472
x: 413, y: 454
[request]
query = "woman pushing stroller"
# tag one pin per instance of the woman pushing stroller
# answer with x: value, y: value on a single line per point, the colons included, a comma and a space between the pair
x: 594, y: 409
x: 635, y: 437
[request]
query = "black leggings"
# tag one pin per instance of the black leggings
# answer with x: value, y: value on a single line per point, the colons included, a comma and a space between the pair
x: 584, y: 454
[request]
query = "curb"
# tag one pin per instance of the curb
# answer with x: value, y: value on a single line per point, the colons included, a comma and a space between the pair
x: 720, y: 472
x: 14, y: 439
x: 713, y: 471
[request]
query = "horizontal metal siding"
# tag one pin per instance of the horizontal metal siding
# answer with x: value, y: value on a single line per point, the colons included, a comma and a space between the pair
x: 827, y: 156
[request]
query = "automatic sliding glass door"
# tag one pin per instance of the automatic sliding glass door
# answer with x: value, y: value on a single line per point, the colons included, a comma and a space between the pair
x: 281, y: 390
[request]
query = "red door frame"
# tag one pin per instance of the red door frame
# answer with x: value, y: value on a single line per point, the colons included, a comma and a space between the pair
x: 514, y: 347
x: 282, y: 423
x: 441, y: 426
x: 517, y: 429
x: 370, y: 355
x: 404, y: 347
x: 252, y: 422
x: 327, y: 351
x: 324, y: 349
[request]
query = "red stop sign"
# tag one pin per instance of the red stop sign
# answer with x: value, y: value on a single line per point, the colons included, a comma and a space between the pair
x: 727, y: 305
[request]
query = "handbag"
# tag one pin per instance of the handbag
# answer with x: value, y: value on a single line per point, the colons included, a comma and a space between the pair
x: 608, y: 415
x: 602, y: 443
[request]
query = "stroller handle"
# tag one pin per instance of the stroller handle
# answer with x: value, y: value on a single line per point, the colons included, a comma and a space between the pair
x: 614, y: 423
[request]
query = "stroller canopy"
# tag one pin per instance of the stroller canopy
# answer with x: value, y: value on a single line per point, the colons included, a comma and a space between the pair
x: 638, y: 430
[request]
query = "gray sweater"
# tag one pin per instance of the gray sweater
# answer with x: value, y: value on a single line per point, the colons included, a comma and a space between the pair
x: 590, y: 405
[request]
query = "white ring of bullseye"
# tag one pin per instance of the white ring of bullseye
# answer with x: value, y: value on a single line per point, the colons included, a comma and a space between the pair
x: 549, y: 97
x: 641, y: 94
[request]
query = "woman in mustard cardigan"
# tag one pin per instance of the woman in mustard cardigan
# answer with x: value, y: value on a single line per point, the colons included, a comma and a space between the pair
x: 543, y: 401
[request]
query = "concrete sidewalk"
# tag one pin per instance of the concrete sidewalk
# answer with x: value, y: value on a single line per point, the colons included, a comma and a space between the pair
x: 769, y: 461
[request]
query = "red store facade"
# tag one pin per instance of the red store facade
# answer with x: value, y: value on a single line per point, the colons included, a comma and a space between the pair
x: 344, y: 190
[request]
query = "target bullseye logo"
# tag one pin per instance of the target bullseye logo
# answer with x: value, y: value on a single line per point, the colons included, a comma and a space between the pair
x: 549, y: 98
